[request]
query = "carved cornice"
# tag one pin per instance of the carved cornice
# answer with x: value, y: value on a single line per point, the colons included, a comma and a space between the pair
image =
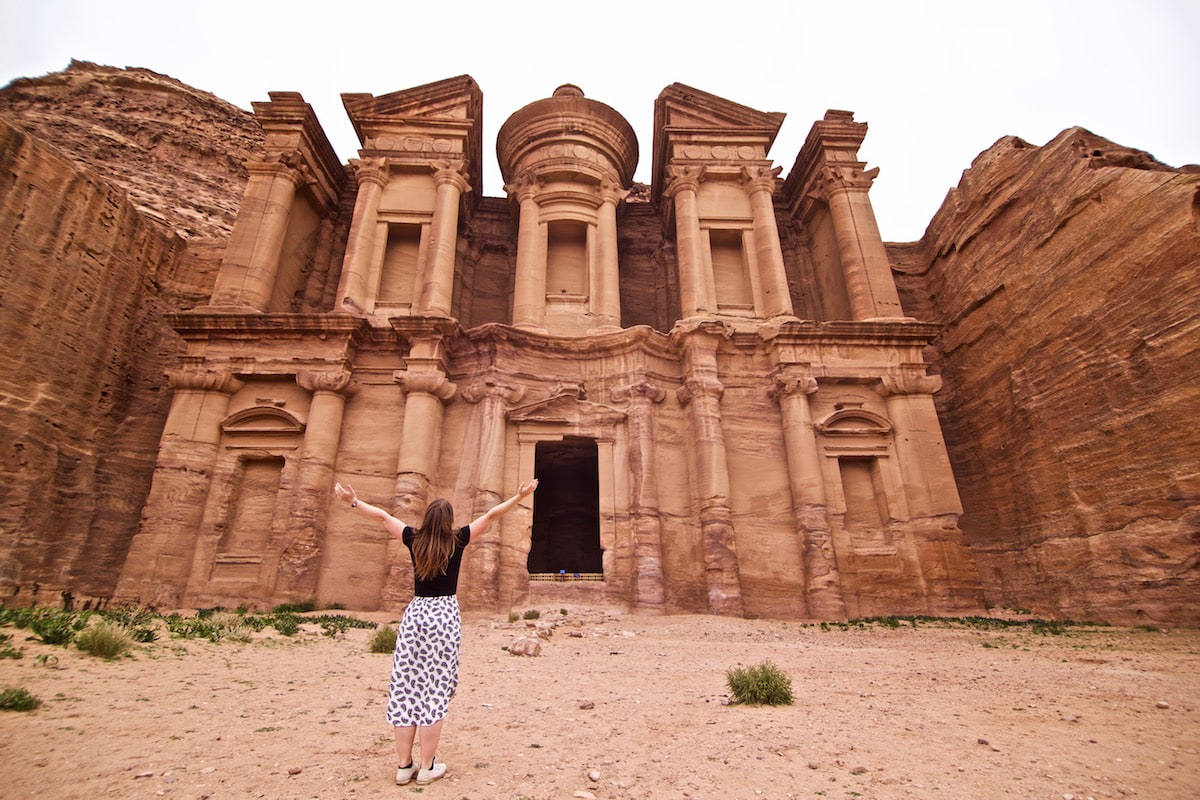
x: 289, y: 165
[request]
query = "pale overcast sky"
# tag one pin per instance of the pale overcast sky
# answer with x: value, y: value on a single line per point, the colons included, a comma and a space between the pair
x: 938, y: 81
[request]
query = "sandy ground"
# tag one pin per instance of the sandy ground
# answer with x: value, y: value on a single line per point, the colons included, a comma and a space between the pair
x: 624, y: 706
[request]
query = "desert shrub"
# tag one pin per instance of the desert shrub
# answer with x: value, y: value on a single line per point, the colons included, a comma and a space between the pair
x: 231, y: 626
x: 6, y: 648
x: 295, y: 608
x: 286, y: 624
x: 532, y: 613
x: 18, y: 700
x: 57, y: 627
x: 762, y: 684
x: 139, y: 622
x: 105, y: 639
x: 513, y: 616
x: 384, y: 640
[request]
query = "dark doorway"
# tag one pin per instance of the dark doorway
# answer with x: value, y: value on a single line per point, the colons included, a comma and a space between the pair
x: 566, y: 509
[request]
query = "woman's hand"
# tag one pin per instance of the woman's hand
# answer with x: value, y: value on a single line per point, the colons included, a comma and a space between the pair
x: 527, y: 488
x: 345, y: 493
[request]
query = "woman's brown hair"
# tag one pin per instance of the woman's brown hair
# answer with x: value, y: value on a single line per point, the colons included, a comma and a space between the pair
x: 435, y: 541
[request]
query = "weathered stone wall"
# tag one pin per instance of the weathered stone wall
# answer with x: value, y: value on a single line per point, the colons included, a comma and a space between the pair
x: 1067, y: 280
x: 83, y: 350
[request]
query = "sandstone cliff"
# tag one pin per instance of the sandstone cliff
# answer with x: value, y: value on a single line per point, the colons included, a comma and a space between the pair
x: 1066, y: 277
x: 179, y: 152
x: 118, y: 189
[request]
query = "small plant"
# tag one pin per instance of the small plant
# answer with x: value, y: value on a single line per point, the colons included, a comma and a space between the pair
x: 532, y: 613
x: 104, y: 639
x: 6, y: 648
x: 286, y: 624
x: 513, y: 616
x: 295, y: 608
x: 57, y: 627
x: 18, y: 700
x: 384, y: 640
x: 763, y: 684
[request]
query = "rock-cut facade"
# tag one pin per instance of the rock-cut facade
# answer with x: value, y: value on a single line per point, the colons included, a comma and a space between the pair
x: 711, y: 375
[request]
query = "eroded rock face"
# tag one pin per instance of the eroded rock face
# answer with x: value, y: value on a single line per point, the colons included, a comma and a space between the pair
x: 82, y: 350
x: 118, y: 189
x: 1066, y: 278
x: 178, y: 151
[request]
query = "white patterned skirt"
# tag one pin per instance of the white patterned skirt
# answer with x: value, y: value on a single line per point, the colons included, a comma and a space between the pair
x: 425, y: 664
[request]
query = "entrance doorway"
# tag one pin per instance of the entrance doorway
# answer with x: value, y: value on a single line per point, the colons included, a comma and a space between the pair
x: 566, y: 509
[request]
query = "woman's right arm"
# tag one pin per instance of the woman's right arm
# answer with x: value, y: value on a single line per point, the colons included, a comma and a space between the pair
x: 347, y: 495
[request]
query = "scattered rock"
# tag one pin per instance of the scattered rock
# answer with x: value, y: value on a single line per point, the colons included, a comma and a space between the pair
x: 1162, y: 704
x: 587, y: 705
x: 294, y: 770
x: 526, y: 646
x: 594, y: 775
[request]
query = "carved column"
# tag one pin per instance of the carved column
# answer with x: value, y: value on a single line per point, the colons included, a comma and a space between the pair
x: 649, y: 585
x: 695, y: 295
x: 529, y: 292
x: 426, y: 389
x: 701, y: 393
x: 298, y: 566
x: 869, y: 282
x: 160, y: 556
x: 247, y: 275
x: 492, y: 397
x: 355, y: 288
x: 929, y: 483
x: 606, y: 277
x: 760, y: 185
x: 822, y: 581
x: 437, y: 291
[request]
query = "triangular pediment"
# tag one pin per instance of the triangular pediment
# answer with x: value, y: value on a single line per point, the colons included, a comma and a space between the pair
x: 685, y: 115
x: 450, y: 99
x: 566, y: 408
x: 680, y: 106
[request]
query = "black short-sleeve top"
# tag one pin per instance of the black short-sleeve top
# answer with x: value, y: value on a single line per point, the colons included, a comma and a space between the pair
x: 446, y: 583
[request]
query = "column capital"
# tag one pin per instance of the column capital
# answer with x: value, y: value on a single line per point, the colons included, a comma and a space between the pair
x: 699, y: 387
x: 611, y: 192
x: 451, y: 172
x: 370, y: 170
x: 790, y: 385
x: 524, y: 187
x: 338, y: 381
x: 201, y: 380
x: 683, y: 178
x: 643, y: 389
x: 834, y: 178
x: 433, y: 383
x: 908, y: 383
x: 760, y: 179
x: 290, y: 165
x: 491, y: 387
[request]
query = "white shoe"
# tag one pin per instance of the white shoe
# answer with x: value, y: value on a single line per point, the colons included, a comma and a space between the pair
x: 436, y: 770
x: 405, y: 774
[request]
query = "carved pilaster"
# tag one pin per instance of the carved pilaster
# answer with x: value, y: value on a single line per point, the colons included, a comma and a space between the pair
x: 649, y: 586
x: 822, y: 580
x: 833, y: 178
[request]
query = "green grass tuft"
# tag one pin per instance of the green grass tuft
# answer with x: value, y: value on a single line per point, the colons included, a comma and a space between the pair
x: 760, y: 685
